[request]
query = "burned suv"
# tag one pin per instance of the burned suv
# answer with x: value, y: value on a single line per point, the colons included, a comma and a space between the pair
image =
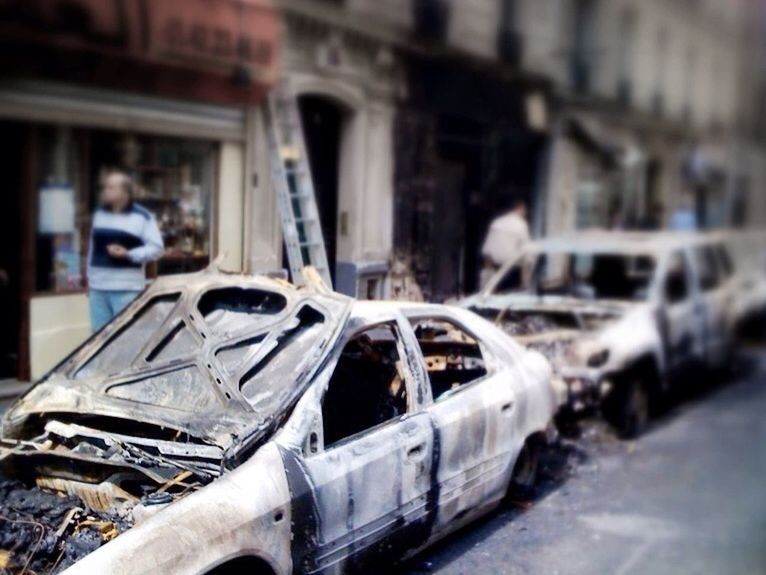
x: 620, y: 315
x: 229, y: 424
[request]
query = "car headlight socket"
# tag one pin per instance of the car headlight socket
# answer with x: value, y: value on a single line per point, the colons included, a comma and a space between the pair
x: 599, y: 358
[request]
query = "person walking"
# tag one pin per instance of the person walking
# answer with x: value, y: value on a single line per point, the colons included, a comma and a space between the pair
x: 124, y: 237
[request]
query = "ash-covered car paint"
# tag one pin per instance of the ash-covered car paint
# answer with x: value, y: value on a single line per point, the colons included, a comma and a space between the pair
x: 235, y: 421
x: 620, y: 315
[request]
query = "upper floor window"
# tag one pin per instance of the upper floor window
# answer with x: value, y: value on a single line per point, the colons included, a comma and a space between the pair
x: 583, y: 29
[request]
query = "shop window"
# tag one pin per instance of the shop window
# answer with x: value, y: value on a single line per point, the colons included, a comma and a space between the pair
x: 367, y: 387
x: 174, y: 179
x: 453, y: 357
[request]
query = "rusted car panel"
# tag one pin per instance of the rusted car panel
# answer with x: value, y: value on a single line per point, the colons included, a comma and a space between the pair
x: 610, y: 307
x: 316, y: 433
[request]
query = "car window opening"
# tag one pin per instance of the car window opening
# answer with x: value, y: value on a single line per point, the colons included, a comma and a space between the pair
x: 453, y: 358
x: 367, y: 387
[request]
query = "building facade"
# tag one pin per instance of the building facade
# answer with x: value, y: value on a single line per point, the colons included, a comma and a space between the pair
x: 172, y: 97
x: 658, y: 109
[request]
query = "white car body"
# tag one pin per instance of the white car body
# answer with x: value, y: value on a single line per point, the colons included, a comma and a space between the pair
x: 607, y: 337
x: 283, y: 501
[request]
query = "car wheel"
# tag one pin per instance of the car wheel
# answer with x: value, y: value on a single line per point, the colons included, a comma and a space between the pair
x: 628, y: 411
x: 524, y: 473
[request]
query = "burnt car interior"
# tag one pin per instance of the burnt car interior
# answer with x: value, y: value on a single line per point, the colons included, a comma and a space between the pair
x: 453, y: 358
x: 368, y: 385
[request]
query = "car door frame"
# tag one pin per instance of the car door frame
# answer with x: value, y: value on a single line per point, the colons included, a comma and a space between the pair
x: 681, y: 320
x: 714, y: 306
x: 403, y: 527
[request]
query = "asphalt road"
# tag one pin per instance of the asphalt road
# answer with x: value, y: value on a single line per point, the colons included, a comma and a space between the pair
x: 687, y: 497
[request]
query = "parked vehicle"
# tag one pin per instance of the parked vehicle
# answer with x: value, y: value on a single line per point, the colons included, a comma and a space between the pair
x: 240, y: 424
x: 621, y: 315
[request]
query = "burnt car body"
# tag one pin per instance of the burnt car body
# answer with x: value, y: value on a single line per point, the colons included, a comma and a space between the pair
x: 622, y: 316
x: 236, y: 423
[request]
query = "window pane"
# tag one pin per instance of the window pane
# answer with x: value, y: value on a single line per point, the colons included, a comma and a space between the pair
x: 62, y: 206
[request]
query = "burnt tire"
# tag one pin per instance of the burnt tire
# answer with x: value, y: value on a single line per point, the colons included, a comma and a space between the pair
x: 628, y: 409
x: 524, y: 476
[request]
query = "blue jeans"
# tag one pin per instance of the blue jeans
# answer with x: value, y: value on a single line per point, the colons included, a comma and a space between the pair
x: 105, y: 304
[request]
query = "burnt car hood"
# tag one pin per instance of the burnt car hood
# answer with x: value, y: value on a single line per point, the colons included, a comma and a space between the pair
x: 59, y: 396
x: 224, y: 423
x: 564, y: 329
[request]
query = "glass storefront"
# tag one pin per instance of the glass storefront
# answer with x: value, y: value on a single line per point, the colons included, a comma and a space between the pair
x: 175, y: 180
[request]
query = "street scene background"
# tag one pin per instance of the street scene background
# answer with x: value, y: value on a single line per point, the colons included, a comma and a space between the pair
x: 427, y: 124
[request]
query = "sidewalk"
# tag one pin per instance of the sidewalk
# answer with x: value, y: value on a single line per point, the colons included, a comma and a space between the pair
x: 10, y: 388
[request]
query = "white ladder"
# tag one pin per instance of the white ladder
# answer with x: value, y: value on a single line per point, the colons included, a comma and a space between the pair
x: 291, y: 176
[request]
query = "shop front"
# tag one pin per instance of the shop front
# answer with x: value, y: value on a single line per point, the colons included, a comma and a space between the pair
x: 186, y: 143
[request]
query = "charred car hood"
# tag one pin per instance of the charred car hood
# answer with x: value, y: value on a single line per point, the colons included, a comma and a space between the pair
x: 58, y: 396
x: 566, y: 330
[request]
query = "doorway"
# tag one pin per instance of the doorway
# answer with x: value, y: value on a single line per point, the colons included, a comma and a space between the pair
x: 323, y: 121
x: 12, y: 144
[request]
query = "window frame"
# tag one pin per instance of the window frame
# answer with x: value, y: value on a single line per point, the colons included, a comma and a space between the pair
x: 487, y: 355
x: 688, y: 279
x: 329, y: 371
x: 707, y: 261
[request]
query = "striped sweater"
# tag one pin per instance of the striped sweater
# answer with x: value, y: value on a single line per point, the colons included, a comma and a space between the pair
x: 136, y: 230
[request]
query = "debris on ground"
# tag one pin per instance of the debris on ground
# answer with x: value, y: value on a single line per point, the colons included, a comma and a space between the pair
x: 46, y: 532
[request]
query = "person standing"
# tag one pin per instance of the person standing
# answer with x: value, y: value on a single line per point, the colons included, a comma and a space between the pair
x: 507, y: 237
x: 124, y: 237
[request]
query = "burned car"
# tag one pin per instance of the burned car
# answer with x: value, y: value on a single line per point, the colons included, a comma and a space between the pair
x: 621, y: 315
x: 228, y: 423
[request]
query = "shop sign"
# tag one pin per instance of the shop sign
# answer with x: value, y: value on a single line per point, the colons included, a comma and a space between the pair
x: 219, y: 37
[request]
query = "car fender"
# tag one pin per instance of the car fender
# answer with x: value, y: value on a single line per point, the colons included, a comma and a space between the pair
x: 634, y: 336
x: 243, y: 513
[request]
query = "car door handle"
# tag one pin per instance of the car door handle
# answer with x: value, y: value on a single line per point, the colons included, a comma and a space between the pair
x: 416, y: 452
x: 507, y: 408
